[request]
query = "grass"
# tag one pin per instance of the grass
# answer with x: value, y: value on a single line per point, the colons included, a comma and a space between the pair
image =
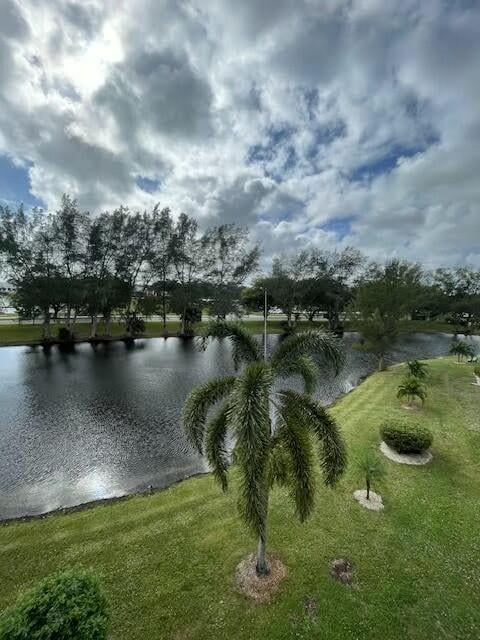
x: 167, y: 560
x: 28, y: 333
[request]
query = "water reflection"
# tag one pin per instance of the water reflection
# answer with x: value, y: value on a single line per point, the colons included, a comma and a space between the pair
x: 101, y: 421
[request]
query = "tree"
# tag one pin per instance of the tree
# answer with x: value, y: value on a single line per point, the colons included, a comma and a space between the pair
x: 383, y: 297
x: 372, y: 469
x: 418, y: 369
x: 162, y: 258
x: 412, y: 388
x: 27, y: 247
x: 229, y: 260
x: 188, y: 260
x: 272, y: 429
x: 462, y: 350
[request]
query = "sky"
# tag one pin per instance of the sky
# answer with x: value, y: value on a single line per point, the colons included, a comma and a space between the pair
x: 312, y: 122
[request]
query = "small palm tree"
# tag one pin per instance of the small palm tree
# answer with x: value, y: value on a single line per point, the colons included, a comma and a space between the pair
x: 412, y: 388
x: 462, y: 350
x: 372, y: 468
x: 417, y: 369
x: 271, y: 428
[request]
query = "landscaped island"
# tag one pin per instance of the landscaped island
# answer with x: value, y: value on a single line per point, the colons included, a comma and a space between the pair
x: 167, y: 560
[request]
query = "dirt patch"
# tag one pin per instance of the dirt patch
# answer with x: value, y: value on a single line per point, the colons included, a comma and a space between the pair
x: 259, y: 588
x: 405, y: 458
x: 374, y: 503
x: 342, y: 571
x: 411, y: 407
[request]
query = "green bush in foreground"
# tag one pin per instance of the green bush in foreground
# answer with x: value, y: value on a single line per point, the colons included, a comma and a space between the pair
x: 406, y: 438
x: 69, y: 604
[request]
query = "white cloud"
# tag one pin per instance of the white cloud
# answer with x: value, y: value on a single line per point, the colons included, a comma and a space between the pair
x: 285, y: 115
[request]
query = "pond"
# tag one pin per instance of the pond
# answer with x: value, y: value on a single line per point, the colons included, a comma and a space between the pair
x: 103, y: 422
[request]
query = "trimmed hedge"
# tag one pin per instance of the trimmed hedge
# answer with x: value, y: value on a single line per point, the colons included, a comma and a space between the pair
x: 67, y: 605
x: 406, y: 438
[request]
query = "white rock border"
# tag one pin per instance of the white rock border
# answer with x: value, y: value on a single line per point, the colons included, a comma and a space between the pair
x: 405, y: 458
x: 374, y: 503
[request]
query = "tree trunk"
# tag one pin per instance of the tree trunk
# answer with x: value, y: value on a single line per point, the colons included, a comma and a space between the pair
x: 164, y: 309
x: 93, y: 326
x: 184, y: 324
x: 74, y: 319
x: 368, y: 488
x: 46, y: 325
x: 381, y: 363
x: 67, y: 318
x: 106, y: 323
x: 262, y: 567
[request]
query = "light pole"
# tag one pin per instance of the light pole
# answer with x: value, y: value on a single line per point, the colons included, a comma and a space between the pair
x: 265, y: 327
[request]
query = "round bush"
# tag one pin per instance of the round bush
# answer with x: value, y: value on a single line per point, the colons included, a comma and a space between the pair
x: 69, y: 604
x: 406, y: 438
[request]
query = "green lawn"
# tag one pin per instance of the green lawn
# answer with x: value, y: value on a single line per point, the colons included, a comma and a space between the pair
x: 18, y: 334
x: 168, y: 560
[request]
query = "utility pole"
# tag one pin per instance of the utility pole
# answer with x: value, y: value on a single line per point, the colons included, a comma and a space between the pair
x: 265, y: 327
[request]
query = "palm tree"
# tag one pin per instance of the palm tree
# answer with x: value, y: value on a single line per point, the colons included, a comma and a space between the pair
x: 462, y: 350
x: 418, y: 369
x: 271, y: 428
x: 412, y: 388
x: 372, y: 468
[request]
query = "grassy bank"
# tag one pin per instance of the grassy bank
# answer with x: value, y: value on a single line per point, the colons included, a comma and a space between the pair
x: 27, y: 333
x: 168, y: 560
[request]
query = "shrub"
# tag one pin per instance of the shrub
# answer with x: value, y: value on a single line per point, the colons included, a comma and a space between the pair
x: 69, y: 604
x: 406, y: 438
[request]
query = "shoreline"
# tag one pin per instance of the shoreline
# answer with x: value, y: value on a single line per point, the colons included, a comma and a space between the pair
x: 91, y: 504
x: 169, y: 333
x: 83, y: 506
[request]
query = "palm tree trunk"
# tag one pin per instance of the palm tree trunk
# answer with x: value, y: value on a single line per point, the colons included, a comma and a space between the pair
x: 262, y: 567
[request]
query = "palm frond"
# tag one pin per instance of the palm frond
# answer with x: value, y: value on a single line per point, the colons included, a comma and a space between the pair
x: 250, y: 420
x: 215, y: 447
x: 197, y: 405
x: 310, y: 413
x: 244, y: 346
x: 313, y: 343
x: 278, y: 465
x: 298, y: 443
x: 303, y: 366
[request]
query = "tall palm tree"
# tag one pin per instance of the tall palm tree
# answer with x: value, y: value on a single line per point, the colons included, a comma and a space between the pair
x: 272, y: 429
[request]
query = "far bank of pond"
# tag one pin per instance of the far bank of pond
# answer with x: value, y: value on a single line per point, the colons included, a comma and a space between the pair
x: 28, y: 334
x: 103, y: 421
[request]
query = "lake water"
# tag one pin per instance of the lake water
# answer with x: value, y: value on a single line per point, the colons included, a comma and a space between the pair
x: 103, y: 422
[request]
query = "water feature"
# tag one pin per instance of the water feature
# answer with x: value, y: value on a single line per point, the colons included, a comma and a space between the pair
x: 104, y: 421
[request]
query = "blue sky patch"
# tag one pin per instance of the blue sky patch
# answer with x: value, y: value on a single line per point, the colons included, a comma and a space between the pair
x: 15, y: 184
x: 147, y: 184
x: 341, y: 226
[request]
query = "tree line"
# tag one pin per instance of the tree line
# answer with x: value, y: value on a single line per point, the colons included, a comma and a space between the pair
x: 129, y: 263
x: 136, y: 265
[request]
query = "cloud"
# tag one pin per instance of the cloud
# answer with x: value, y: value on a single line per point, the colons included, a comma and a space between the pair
x: 313, y: 123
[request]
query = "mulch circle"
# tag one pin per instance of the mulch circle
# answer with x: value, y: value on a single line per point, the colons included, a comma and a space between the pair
x: 259, y: 588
